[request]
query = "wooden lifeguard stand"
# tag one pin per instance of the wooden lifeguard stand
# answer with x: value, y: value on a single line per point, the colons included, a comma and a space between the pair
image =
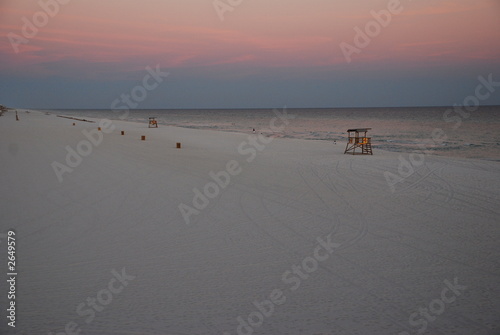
x: 356, y: 141
x: 153, y: 123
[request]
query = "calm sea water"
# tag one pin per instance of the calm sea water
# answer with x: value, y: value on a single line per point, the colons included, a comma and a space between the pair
x: 395, y: 129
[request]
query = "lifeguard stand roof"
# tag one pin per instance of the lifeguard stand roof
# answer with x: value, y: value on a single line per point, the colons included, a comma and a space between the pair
x: 359, y: 130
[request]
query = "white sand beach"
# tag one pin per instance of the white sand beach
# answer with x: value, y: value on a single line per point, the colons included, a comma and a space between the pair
x: 290, y: 237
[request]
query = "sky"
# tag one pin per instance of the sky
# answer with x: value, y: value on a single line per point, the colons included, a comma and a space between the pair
x: 246, y: 53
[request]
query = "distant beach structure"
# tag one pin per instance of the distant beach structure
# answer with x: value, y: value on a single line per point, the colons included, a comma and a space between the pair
x: 153, y: 123
x: 356, y: 141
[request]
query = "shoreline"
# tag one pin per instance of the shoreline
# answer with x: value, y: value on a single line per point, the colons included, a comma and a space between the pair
x: 384, y: 145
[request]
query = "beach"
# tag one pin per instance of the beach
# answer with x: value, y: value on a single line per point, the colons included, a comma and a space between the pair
x: 241, y: 233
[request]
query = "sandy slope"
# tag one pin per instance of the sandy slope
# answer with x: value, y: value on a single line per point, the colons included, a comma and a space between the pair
x: 394, y: 252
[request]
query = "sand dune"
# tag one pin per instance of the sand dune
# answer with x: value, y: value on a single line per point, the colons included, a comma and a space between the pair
x: 284, y: 236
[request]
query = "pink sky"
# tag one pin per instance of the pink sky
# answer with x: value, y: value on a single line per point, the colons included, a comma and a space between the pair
x: 258, y: 32
x: 264, y: 53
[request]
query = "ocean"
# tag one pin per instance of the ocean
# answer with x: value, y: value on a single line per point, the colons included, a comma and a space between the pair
x: 435, y: 130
